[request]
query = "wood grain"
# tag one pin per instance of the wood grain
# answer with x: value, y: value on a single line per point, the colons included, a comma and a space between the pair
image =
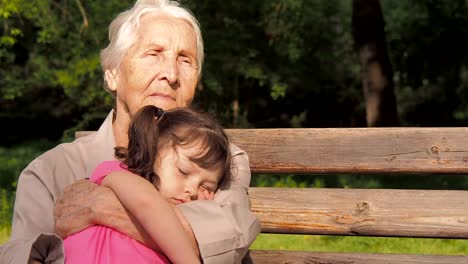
x: 355, y: 150
x: 376, y: 212
x: 297, y: 257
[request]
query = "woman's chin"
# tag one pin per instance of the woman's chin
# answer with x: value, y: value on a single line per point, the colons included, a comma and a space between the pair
x: 163, y: 103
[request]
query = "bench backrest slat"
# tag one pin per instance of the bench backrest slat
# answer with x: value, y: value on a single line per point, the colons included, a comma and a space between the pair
x: 355, y: 150
x: 297, y: 257
x: 373, y: 212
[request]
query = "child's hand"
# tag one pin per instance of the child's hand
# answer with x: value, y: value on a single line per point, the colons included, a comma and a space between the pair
x: 204, y: 194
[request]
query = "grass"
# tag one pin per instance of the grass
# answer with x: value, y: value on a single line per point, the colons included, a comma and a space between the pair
x: 6, y: 210
x: 4, y: 234
x: 362, y: 244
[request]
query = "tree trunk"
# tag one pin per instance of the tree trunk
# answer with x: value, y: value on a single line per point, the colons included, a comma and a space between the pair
x: 376, y: 69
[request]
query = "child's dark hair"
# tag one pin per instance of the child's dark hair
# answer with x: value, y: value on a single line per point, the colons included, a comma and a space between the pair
x: 152, y: 129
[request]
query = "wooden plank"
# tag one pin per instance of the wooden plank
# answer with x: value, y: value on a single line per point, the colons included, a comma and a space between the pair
x: 376, y: 212
x: 297, y: 257
x: 354, y: 150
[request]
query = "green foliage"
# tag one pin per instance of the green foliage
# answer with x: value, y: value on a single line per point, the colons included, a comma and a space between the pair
x: 278, y: 58
x: 268, y: 63
x: 278, y: 90
x: 427, y: 42
x: 50, y: 60
x: 6, y: 214
x: 12, y: 161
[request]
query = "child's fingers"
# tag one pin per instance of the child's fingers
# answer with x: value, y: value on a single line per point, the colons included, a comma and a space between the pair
x: 208, y: 195
x: 211, y: 195
x: 204, y: 194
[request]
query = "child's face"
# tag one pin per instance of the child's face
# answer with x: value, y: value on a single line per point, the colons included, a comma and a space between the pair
x: 181, y: 180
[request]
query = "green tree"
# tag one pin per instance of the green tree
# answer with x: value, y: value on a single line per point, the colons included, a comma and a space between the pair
x: 50, y: 71
x: 427, y: 45
x: 274, y: 63
x: 277, y: 59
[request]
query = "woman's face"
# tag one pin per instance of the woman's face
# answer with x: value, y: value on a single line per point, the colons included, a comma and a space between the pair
x: 180, y: 179
x: 160, y: 68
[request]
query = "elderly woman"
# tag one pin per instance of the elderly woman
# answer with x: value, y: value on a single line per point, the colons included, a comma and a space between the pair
x: 154, y: 57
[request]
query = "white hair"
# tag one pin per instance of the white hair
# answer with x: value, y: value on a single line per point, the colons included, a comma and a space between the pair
x: 123, y: 31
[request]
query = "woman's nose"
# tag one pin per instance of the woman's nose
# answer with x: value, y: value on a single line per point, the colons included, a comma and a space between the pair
x: 170, y: 71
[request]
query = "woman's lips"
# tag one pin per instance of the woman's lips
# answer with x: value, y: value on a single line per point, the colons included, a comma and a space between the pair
x: 163, y: 96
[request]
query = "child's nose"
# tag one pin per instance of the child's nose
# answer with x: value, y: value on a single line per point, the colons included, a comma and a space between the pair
x: 192, y: 191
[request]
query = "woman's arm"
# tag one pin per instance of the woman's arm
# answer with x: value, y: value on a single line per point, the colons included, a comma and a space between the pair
x: 154, y: 213
x: 85, y: 204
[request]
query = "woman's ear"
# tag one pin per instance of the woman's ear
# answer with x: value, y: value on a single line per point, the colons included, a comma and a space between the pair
x: 111, y: 79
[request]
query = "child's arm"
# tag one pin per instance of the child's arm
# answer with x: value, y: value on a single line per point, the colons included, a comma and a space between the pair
x: 154, y: 213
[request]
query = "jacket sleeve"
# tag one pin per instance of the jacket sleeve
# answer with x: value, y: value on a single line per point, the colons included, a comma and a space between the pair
x: 33, y: 224
x: 225, y: 227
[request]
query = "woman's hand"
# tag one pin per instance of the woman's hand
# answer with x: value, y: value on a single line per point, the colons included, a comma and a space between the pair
x: 73, y: 211
x: 85, y: 204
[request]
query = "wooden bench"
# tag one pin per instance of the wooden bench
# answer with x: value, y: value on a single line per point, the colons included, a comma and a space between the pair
x: 358, y: 212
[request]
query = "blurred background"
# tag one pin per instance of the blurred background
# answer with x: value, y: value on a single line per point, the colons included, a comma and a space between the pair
x: 269, y: 63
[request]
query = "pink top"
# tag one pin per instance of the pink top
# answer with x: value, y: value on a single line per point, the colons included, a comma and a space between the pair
x: 103, y: 245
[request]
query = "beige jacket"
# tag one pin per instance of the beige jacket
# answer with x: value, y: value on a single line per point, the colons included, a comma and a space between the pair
x: 224, y: 228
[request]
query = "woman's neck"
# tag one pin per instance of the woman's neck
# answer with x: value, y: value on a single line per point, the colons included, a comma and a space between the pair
x: 120, y: 126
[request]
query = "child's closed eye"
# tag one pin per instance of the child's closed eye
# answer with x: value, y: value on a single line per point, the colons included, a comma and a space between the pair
x: 183, y: 172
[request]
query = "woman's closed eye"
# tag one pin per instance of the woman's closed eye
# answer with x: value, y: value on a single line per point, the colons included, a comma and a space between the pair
x: 185, y: 60
x: 153, y: 52
x: 183, y: 172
